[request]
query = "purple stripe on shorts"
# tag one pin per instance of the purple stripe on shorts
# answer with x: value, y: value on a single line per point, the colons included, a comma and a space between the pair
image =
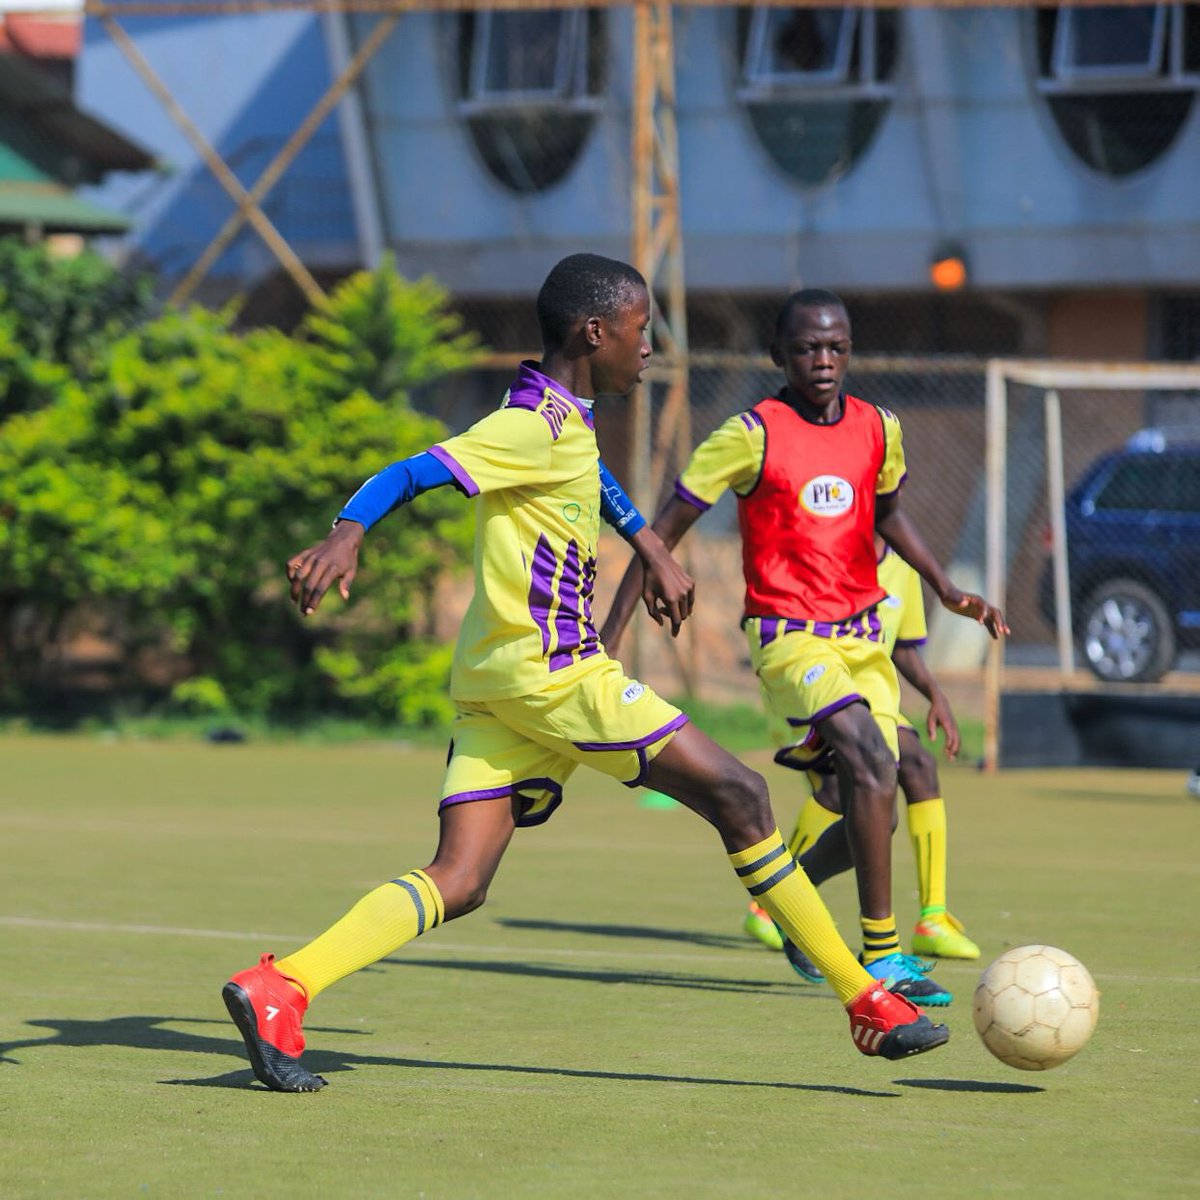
x: 566, y: 620
x: 481, y: 794
x: 541, y: 584
x: 456, y: 469
x: 691, y: 497
x: 650, y: 738
x: 827, y: 711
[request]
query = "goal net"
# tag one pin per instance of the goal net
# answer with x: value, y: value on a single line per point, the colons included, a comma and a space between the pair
x: 1092, y: 535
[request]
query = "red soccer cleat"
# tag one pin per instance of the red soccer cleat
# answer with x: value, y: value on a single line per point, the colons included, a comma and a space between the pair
x: 889, y: 1026
x: 268, y: 1011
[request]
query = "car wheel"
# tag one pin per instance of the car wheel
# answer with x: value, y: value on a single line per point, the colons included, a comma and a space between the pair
x: 1126, y: 633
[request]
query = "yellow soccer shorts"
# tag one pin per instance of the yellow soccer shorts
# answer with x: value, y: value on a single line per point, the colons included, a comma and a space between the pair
x: 529, y: 746
x: 806, y: 677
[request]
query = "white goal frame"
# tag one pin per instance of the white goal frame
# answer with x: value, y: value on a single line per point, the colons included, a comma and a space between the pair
x: 1052, y: 378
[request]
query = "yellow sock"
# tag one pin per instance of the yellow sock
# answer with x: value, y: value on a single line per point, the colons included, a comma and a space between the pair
x: 927, y: 828
x: 810, y: 824
x: 777, y: 882
x: 879, y: 937
x: 382, y: 921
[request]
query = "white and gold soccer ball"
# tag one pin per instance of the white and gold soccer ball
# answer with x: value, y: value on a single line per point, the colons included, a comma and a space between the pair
x: 1035, y: 1007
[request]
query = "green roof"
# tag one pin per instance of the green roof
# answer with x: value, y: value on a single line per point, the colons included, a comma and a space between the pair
x: 55, y: 209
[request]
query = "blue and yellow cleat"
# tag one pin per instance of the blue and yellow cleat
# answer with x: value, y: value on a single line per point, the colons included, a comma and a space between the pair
x: 941, y: 935
x: 906, y: 976
x: 761, y: 928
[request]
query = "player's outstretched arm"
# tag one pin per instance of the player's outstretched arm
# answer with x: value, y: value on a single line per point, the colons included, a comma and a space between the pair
x: 314, y: 571
x: 901, y: 534
x: 675, y: 519
x: 913, y: 667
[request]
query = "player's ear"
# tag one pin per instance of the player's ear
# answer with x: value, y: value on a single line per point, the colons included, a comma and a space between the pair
x: 592, y: 331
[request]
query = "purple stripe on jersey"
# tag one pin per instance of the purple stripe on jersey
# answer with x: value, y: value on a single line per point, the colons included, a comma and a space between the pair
x: 566, y: 620
x: 791, y: 625
x: 751, y: 419
x: 591, y: 639
x: 875, y: 626
x: 822, y: 629
x: 827, y: 711
x: 903, y: 642
x: 541, y: 584
x: 650, y: 738
x: 895, y: 489
x: 456, y: 469
x: 691, y: 497
x: 767, y: 635
x: 539, y: 393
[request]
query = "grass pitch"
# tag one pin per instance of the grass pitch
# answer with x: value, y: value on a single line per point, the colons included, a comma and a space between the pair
x: 600, y: 1029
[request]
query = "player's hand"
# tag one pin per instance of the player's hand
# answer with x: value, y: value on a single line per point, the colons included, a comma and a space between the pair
x: 313, y: 572
x: 942, y: 717
x: 968, y: 604
x: 668, y: 591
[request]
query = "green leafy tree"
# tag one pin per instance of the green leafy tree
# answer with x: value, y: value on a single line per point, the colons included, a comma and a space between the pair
x: 168, y: 492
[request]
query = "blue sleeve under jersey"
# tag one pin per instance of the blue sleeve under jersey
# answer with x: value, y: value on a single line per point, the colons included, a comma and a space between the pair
x: 616, y: 507
x: 393, y: 486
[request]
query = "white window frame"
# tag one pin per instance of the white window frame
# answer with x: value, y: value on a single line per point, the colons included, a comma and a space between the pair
x: 1161, y: 71
x: 759, y: 81
x: 569, y: 89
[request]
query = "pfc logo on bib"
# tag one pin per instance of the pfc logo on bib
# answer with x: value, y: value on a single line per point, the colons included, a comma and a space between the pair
x: 827, y: 496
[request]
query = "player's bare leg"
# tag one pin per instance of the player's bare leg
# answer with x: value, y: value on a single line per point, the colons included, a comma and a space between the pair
x: 735, y: 801
x: 867, y: 783
x: 268, y: 1001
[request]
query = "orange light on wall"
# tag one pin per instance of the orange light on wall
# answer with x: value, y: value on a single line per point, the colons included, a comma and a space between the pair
x: 948, y: 269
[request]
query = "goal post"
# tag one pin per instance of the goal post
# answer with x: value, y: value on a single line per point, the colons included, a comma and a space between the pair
x: 1047, y: 383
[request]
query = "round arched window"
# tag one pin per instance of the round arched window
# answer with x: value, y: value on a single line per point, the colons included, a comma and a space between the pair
x: 529, y: 87
x: 1119, y: 81
x: 816, y: 83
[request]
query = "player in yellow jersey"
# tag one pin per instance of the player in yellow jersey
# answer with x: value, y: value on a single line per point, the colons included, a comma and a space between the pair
x: 819, y: 840
x: 535, y: 692
x: 817, y: 472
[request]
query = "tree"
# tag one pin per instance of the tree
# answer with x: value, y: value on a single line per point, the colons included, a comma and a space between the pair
x: 166, y: 491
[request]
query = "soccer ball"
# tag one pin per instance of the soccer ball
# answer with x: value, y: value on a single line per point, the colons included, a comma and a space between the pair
x: 1035, y: 1007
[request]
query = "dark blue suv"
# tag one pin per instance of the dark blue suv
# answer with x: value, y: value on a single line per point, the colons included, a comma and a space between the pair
x: 1133, y: 552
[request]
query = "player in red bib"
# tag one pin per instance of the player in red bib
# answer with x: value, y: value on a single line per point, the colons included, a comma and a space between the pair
x: 816, y: 473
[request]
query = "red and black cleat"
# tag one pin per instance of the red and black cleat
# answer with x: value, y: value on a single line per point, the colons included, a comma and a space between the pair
x: 889, y: 1026
x: 269, y: 1012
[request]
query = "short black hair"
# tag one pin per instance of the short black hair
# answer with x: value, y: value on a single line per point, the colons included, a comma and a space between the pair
x: 583, y: 285
x: 807, y: 298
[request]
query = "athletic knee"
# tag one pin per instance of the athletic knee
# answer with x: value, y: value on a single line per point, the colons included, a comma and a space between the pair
x: 462, y: 891
x: 918, y: 772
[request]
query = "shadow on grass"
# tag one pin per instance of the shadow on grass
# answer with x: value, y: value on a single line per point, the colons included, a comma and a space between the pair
x: 692, y: 937
x: 149, y: 1033
x: 665, y: 979
x: 968, y: 1085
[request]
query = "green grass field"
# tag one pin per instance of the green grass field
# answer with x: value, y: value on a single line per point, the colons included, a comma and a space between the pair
x: 599, y: 1029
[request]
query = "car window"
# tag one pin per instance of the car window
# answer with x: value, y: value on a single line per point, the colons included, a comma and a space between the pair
x: 1135, y: 484
x: 1153, y: 483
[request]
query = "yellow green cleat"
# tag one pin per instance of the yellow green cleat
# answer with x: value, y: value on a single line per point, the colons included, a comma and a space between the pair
x: 761, y: 928
x: 941, y: 935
